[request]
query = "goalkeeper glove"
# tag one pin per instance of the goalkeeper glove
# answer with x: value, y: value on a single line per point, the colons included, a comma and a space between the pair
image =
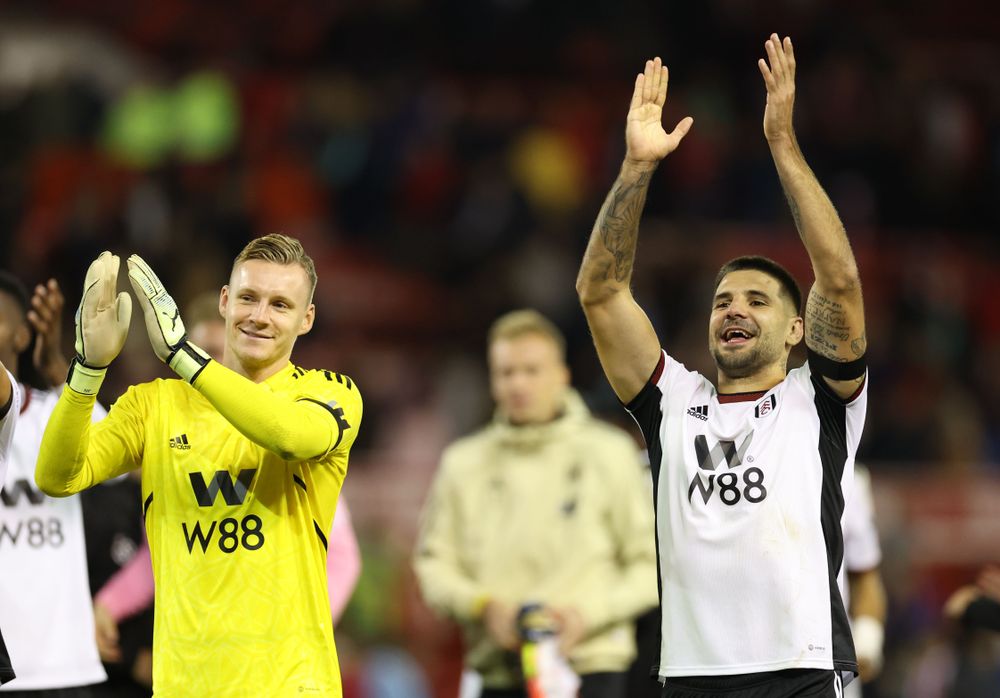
x: 101, y: 325
x: 164, y: 324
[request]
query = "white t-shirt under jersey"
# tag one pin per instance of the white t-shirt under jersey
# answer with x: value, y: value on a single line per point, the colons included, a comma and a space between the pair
x: 46, y: 610
x: 749, y: 500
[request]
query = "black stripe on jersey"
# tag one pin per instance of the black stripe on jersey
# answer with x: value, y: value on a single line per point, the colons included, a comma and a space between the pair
x: 832, y: 413
x: 145, y: 505
x: 646, y: 409
x: 319, y: 532
x: 338, y: 418
x: 6, y: 670
x: 300, y: 482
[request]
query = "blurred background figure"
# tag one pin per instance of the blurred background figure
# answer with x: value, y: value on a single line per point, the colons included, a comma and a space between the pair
x: 543, y: 511
x: 860, y: 581
x: 445, y: 162
x: 45, y: 608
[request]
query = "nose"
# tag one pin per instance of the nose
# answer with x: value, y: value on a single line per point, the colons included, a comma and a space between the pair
x: 736, y: 309
x: 260, y: 315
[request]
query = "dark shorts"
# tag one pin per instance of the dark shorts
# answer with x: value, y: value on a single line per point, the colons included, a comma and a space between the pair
x: 79, y: 692
x: 790, y: 683
x: 603, y: 685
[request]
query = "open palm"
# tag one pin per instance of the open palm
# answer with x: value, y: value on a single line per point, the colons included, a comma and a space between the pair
x: 645, y: 138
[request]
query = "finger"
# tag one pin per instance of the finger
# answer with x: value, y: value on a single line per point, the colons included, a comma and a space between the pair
x: 789, y: 56
x: 55, y: 295
x: 768, y: 76
x: 772, y: 58
x: 647, y: 85
x: 657, y: 77
x: 640, y: 80
x: 661, y: 93
x: 40, y: 326
x: 682, y: 128
x: 41, y: 307
x: 109, y: 279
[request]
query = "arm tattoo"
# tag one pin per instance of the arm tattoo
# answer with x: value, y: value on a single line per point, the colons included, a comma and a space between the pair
x: 618, y: 224
x: 826, y: 327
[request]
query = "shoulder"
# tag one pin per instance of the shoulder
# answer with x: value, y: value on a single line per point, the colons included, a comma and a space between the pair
x: 467, y: 451
x: 323, y: 380
x: 606, y: 435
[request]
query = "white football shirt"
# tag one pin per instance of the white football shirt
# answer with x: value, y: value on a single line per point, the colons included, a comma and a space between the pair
x: 749, y: 493
x: 7, y: 422
x: 46, y: 610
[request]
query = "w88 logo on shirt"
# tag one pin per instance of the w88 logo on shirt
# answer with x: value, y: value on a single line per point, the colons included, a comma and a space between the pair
x: 732, y: 486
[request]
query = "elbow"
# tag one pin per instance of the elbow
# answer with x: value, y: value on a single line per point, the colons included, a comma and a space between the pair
x: 51, y: 486
x: 592, y: 293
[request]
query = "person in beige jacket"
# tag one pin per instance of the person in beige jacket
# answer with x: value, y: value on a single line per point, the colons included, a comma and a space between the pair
x: 545, y: 505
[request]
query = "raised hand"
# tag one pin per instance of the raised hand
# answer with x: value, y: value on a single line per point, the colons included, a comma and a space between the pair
x: 779, y: 78
x: 646, y: 140
x: 163, y: 322
x: 45, y: 317
x: 101, y: 325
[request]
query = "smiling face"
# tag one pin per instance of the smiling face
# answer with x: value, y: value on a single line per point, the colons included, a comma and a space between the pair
x: 753, y: 325
x: 267, y: 307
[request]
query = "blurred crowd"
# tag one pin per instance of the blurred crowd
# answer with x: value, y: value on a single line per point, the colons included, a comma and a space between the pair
x: 443, y: 162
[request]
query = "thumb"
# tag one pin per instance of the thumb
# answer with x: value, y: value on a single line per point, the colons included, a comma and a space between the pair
x: 123, y: 310
x: 682, y: 128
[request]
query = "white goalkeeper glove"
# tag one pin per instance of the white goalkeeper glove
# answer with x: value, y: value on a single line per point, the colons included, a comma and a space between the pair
x: 101, y: 325
x: 164, y: 324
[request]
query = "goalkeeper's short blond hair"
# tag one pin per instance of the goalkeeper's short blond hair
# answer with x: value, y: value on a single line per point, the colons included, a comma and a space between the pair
x: 518, y: 323
x: 280, y: 249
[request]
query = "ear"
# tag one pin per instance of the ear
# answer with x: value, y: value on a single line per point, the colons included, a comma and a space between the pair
x: 307, y: 321
x: 223, y: 300
x: 22, y: 337
x: 796, y: 331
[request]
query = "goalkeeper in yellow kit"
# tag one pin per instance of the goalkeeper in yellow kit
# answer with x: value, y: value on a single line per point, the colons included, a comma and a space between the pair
x: 242, y: 462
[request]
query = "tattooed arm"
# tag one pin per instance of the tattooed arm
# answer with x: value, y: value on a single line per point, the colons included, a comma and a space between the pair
x: 834, y: 318
x: 626, y: 343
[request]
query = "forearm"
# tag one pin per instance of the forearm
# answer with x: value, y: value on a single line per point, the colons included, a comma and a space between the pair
x: 63, y: 468
x: 447, y: 591
x: 608, y: 261
x: 629, y: 596
x: 867, y: 595
x: 295, y: 430
x: 815, y: 217
x: 343, y: 562
x: 131, y: 589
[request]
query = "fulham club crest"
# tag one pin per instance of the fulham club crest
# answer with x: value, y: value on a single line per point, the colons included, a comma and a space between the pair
x: 765, y: 406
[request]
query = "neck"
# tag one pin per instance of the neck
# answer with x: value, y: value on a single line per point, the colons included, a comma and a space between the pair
x: 258, y: 374
x: 761, y: 381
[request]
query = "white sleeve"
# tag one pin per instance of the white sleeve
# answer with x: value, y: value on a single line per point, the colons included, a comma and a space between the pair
x: 862, y: 551
x: 7, y: 423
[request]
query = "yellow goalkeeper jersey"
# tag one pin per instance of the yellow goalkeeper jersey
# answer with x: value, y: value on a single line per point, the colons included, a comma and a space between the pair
x: 237, y: 535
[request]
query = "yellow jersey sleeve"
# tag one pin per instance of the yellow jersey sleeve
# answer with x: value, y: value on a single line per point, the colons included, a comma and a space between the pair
x: 306, y: 424
x: 76, y: 454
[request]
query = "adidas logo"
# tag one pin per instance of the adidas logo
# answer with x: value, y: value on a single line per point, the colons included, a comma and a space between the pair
x: 180, y: 442
x: 699, y: 412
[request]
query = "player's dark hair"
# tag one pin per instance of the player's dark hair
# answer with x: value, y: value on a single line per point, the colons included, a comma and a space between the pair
x: 785, y: 280
x: 280, y: 249
x: 13, y: 287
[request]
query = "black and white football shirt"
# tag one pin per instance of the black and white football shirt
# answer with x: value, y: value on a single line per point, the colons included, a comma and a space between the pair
x: 749, y: 493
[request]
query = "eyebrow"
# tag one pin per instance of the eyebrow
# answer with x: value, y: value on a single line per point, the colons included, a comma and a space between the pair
x: 752, y: 292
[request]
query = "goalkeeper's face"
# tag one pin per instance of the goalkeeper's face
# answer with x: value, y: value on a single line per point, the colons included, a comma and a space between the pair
x: 266, y: 307
x: 528, y: 378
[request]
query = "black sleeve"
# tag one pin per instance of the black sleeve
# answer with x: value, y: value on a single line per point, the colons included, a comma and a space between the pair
x: 645, y: 407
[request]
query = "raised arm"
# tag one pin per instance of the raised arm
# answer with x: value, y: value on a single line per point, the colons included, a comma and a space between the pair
x: 626, y: 343
x: 834, y: 319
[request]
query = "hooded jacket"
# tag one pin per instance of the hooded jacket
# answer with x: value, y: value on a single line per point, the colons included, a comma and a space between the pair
x: 557, y: 513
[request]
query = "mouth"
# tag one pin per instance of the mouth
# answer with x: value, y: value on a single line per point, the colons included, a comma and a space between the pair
x: 253, y: 335
x: 735, y: 336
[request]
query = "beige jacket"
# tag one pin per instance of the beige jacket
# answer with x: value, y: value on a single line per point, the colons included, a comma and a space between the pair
x: 558, y: 513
